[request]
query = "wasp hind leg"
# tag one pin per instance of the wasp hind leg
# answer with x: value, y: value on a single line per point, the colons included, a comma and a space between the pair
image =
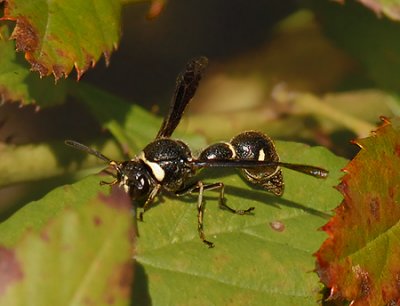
x: 199, y: 187
x: 222, y: 203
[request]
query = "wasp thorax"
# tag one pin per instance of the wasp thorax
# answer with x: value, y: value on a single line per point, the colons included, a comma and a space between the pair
x: 169, y: 162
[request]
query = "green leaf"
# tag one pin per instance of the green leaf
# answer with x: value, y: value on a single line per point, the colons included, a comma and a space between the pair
x: 70, y: 248
x: 59, y: 35
x: 17, y: 83
x: 360, y: 259
x: 260, y: 259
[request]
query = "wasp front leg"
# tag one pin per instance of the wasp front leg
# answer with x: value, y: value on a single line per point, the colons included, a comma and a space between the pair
x: 149, y: 201
x: 102, y: 183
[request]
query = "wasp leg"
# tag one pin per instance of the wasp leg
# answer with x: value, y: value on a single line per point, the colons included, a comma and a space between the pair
x: 222, y: 203
x: 194, y: 188
x: 108, y: 183
x: 135, y: 221
x: 149, y: 200
x: 199, y: 188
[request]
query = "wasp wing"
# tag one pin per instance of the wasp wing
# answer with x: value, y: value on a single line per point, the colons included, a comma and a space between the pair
x: 186, y: 85
x: 248, y: 164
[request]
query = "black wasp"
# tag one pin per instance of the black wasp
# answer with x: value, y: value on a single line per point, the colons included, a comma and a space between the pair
x: 167, y: 164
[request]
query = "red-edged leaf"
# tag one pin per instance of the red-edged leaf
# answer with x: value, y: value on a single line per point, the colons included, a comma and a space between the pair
x: 57, y: 35
x: 18, y: 84
x: 360, y: 259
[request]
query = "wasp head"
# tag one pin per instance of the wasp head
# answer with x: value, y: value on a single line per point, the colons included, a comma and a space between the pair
x: 133, y: 177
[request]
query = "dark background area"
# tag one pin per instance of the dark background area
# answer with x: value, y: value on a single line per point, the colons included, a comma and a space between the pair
x: 151, y: 53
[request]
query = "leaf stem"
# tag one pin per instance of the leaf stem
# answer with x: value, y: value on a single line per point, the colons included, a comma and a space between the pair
x: 309, y: 103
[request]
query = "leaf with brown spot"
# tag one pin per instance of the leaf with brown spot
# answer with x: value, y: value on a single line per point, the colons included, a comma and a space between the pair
x: 73, y: 247
x: 59, y: 35
x: 360, y: 259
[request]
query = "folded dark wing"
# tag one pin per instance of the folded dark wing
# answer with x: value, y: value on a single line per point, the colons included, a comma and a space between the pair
x: 248, y: 164
x: 186, y: 85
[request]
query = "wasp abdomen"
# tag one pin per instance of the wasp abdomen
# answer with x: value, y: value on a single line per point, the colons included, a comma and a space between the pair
x: 220, y: 150
x: 258, y: 146
x: 250, y: 146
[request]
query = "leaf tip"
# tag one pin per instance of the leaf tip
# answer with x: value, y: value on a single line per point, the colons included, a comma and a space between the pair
x: 25, y: 35
x: 107, y: 56
x: 157, y: 6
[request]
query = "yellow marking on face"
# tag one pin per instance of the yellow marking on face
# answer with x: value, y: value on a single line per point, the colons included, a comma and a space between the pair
x: 124, y: 183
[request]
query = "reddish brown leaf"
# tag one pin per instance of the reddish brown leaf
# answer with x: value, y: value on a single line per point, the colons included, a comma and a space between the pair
x: 360, y: 259
x: 26, y: 37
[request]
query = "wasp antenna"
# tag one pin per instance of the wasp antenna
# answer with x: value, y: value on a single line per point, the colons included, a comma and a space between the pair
x: 86, y: 149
